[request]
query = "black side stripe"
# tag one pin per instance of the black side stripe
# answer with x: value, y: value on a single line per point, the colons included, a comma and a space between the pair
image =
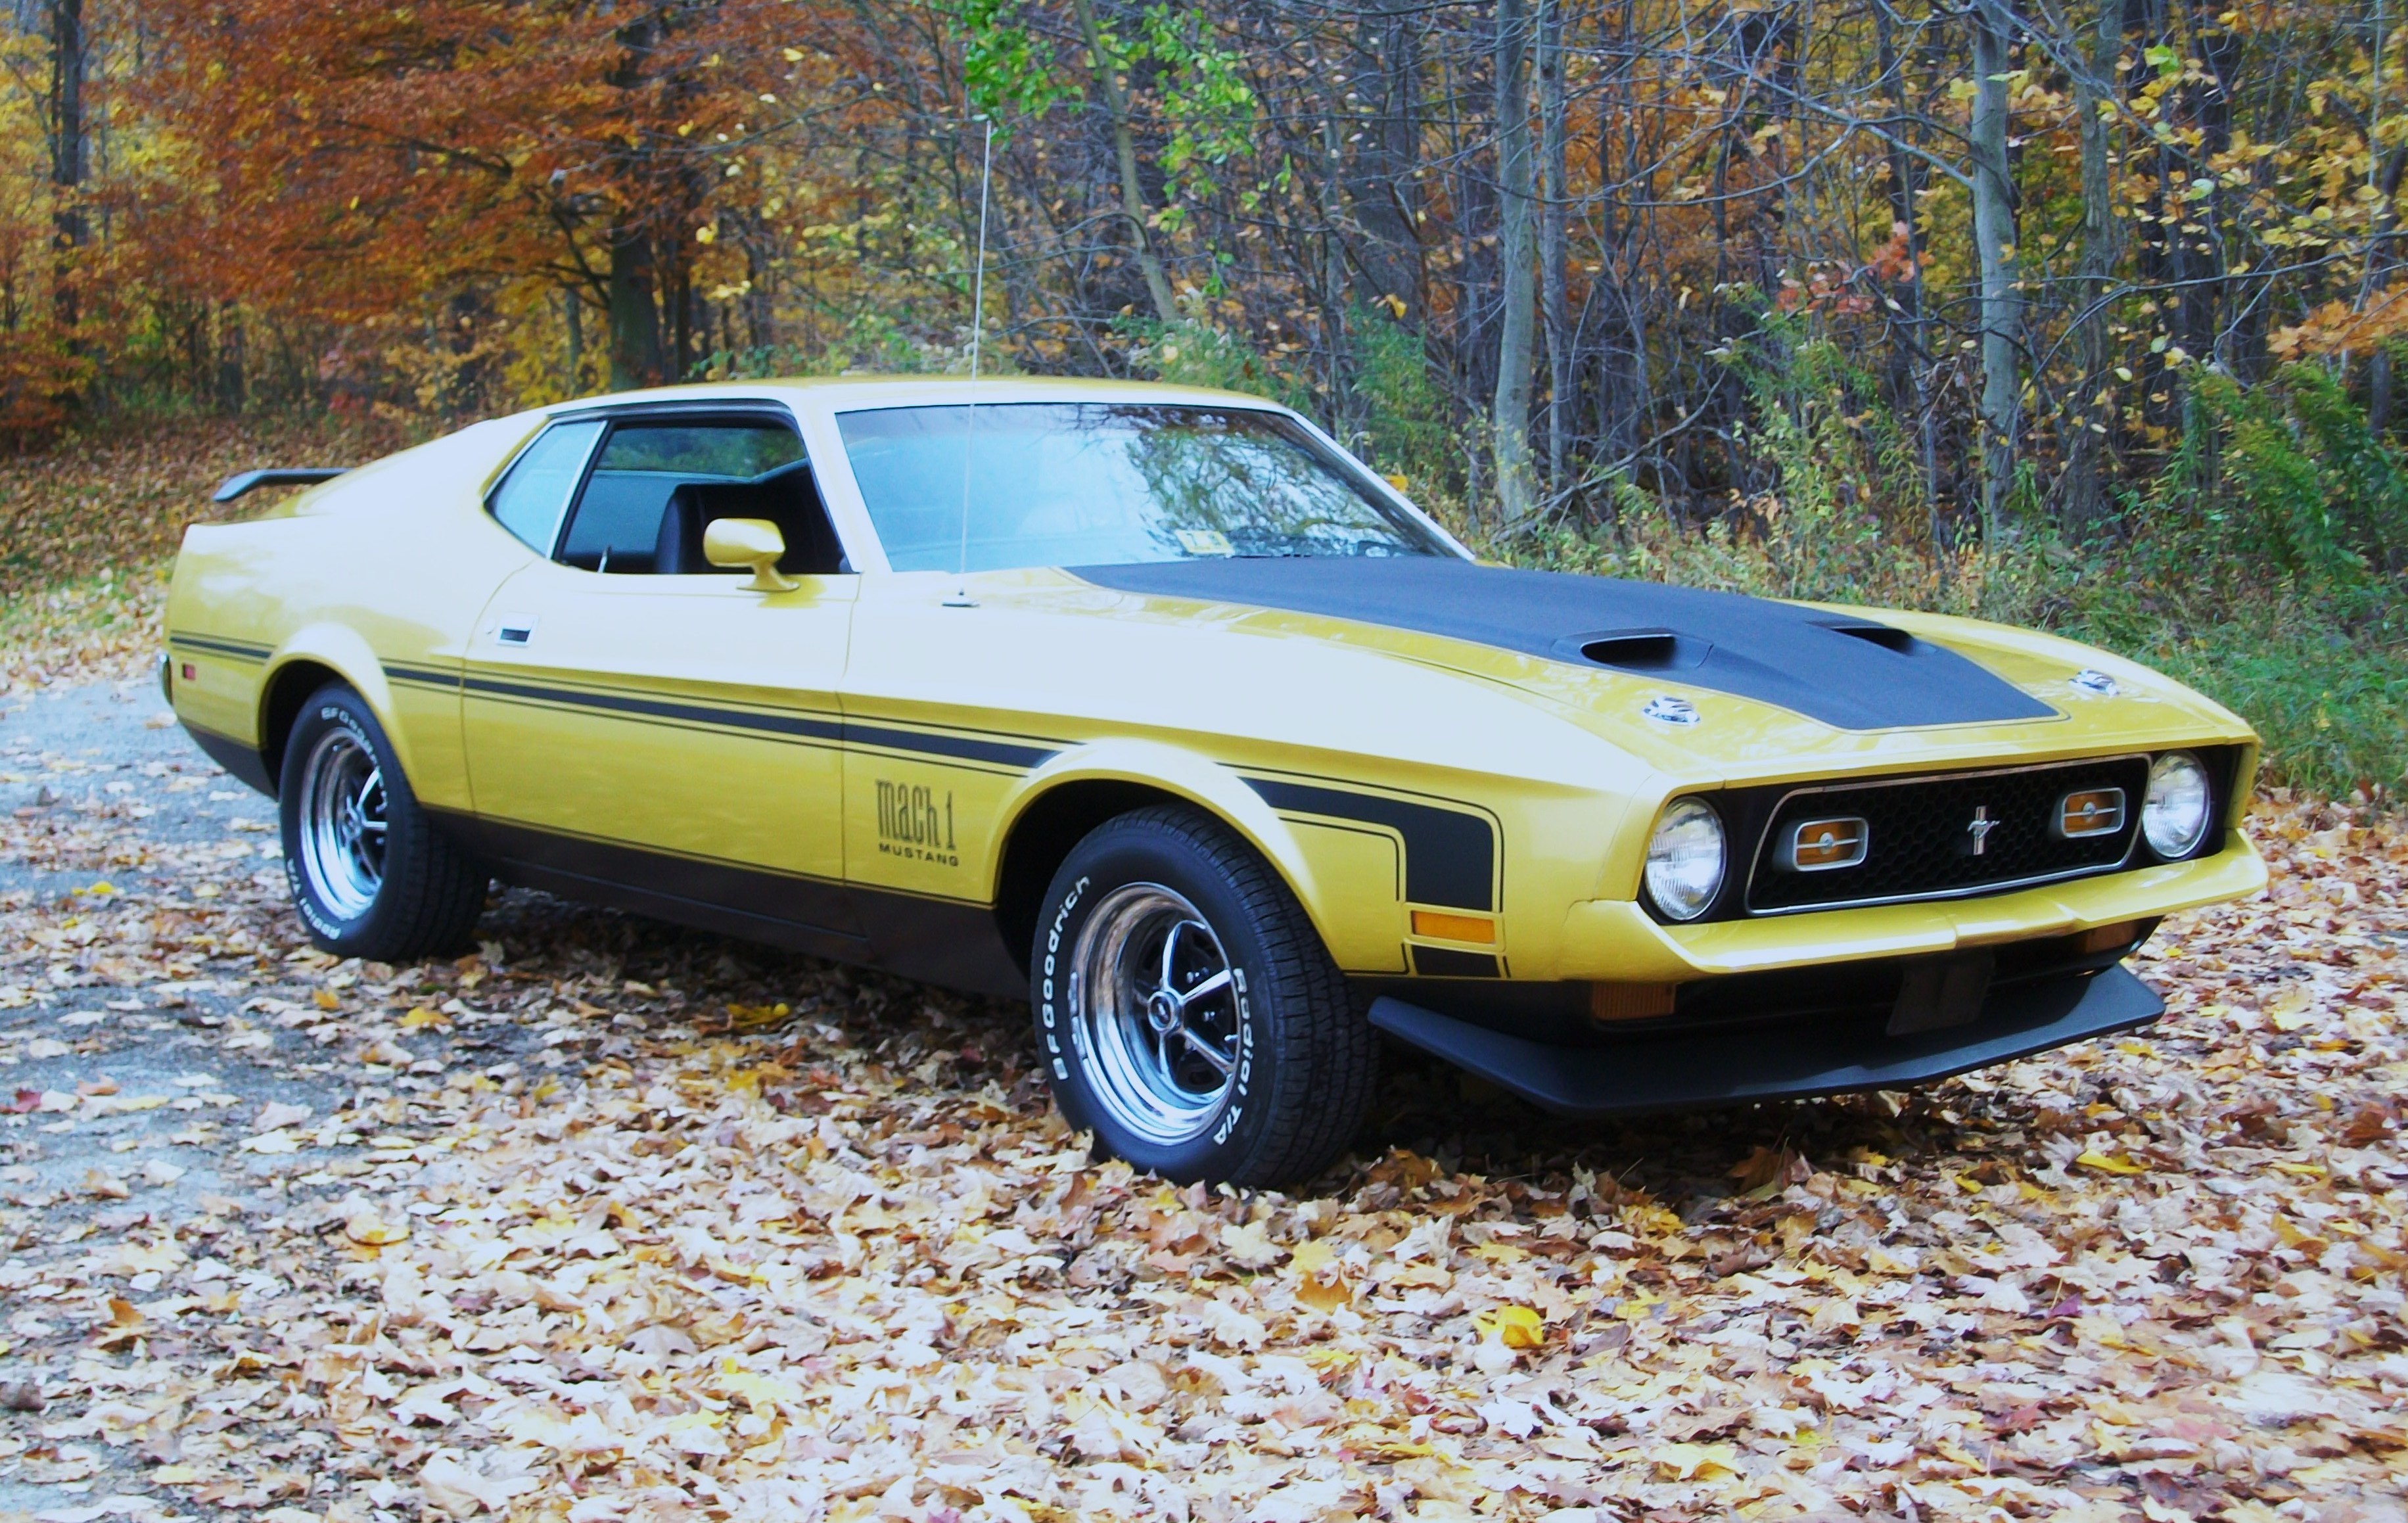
x: 214, y: 646
x: 969, y: 748
x: 805, y: 726
x: 1450, y: 854
x: 421, y: 676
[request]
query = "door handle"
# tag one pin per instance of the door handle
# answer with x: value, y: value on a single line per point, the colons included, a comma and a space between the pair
x: 513, y: 629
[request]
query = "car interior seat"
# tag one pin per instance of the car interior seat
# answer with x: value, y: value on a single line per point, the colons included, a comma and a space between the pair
x: 786, y: 496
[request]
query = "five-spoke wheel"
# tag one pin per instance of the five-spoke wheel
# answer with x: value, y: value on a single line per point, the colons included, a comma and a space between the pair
x: 1187, y: 1011
x: 343, y: 824
x: 370, y: 874
x: 1155, y: 1013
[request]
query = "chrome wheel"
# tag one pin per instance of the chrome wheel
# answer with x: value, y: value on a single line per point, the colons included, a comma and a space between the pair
x: 342, y: 809
x: 1156, y: 1013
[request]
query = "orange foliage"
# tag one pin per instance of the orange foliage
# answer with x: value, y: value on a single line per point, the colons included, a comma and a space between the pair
x: 2339, y: 325
x: 342, y: 162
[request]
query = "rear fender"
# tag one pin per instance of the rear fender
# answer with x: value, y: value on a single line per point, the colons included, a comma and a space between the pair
x: 342, y: 652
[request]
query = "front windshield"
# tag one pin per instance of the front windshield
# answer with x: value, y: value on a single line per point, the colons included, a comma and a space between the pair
x: 1092, y: 484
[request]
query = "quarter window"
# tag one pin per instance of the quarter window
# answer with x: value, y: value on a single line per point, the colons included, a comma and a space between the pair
x: 532, y: 497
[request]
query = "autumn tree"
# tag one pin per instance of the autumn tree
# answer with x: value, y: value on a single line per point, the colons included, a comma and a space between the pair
x: 1554, y: 257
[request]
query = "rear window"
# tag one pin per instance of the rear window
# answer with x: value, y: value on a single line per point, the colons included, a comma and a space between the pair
x: 733, y: 451
x: 1081, y: 483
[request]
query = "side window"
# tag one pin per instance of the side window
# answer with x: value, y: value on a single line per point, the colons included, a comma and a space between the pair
x: 659, y: 482
x: 535, y: 493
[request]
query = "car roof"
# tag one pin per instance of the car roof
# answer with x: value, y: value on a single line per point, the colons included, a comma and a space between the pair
x: 845, y: 394
x: 816, y: 402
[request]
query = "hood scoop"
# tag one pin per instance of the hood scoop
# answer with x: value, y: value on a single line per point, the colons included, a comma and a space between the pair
x: 1849, y: 673
x: 1878, y: 634
x: 1638, y: 650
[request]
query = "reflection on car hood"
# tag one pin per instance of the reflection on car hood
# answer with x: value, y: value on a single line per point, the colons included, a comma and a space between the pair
x: 1850, y: 673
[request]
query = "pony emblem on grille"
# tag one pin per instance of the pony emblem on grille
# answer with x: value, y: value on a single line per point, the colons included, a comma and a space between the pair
x: 1980, y: 827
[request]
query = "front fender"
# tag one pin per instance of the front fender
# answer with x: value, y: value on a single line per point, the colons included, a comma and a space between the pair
x: 1347, y: 884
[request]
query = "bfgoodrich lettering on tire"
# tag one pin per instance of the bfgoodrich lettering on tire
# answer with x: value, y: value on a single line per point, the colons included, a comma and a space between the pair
x: 371, y: 876
x: 1186, y: 1010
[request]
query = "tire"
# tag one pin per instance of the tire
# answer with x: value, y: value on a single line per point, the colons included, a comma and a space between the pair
x: 390, y: 889
x: 1257, y: 1078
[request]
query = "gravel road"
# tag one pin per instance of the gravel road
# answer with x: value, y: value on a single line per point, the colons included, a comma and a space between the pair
x: 94, y: 755
x: 199, y: 1105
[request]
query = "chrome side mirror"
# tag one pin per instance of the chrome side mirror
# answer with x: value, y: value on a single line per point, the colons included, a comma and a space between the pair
x: 755, y: 542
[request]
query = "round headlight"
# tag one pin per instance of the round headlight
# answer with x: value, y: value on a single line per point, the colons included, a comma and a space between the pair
x: 1685, y: 859
x: 2174, y: 811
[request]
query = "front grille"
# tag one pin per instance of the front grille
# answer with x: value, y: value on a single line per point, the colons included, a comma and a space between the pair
x: 1921, y: 833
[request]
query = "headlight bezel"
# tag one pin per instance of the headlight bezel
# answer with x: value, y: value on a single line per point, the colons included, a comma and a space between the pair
x: 2200, y: 786
x: 1663, y: 891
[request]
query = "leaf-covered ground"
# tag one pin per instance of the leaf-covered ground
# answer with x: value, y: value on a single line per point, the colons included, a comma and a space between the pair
x: 616, y: 1222
x: 120, y: 497
x: 87, y: 530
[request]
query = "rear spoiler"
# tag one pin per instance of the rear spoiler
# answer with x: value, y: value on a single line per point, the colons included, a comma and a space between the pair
x: 284, y: 476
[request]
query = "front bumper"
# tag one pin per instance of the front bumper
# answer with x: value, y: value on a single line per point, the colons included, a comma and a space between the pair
x: 1791, y: 1059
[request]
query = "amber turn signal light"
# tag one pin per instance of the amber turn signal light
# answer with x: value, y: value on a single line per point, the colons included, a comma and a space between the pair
x: 1446, y: 928
x: 2091, y: 812
x: 1822, y: 845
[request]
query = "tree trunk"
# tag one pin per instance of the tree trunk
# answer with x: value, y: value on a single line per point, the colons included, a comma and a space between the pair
x: 631, y: 288
x: 677, y: 294
x: 576, y: 315
x: 1910, y: 357
x: 232, y: 358
x: 1994, y: 247
x: 2084, y: 500
x: 1329, y: 264
x: 1382, y: 191
x: 2199, y: 305
x: 2379, y: 265
x: 68, y: 156
x: 1626, y: 185
x: 1133, y: 208
x: 636, y: 357
x: 1515, y: 260
x: 1553, y: 178
x: 760, y: 272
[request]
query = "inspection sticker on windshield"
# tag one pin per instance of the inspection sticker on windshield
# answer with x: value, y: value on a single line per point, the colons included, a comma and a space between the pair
x: 1205, y: 542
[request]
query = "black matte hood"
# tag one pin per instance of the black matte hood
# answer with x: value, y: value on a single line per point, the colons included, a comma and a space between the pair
x: 1849, y: 673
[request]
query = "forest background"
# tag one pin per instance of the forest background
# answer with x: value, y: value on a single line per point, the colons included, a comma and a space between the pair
x: 2083, y: 313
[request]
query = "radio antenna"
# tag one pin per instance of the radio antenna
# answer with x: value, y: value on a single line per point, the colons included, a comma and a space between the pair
x: 961, y: 597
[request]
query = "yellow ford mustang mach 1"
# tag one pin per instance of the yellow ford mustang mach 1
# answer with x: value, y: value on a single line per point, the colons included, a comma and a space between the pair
x: 1153, y: 705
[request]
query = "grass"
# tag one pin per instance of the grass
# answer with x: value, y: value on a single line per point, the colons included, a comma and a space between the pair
x: 2325, y: 686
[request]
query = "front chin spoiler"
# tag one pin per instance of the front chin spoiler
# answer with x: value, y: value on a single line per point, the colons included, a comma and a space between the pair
x: 1783, y: 1060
